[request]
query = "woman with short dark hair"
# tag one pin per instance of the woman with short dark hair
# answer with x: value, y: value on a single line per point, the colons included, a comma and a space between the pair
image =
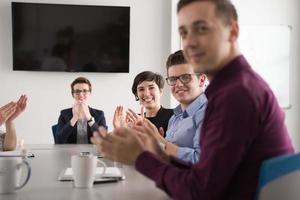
x: 147, y: 88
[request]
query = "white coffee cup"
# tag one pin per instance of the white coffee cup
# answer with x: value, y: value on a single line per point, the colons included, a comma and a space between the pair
x: 84, y: 169
x: 10, y: 174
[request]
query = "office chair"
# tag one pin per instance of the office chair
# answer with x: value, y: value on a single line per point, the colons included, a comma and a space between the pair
x: 54, y: 127
x: 280, y: 178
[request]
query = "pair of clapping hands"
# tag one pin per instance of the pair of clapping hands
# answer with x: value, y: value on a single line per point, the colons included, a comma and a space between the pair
x: 130, y: 118
x: 81, y: 110
x: 12, y: 110
x: 132, y: 135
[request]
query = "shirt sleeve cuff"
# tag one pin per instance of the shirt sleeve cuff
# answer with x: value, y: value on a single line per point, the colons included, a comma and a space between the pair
x: 188, y: 154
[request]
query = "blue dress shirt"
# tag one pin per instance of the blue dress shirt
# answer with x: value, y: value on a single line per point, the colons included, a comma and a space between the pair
x: 184, y: 129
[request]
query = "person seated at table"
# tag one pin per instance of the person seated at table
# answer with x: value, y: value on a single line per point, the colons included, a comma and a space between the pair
x: 187, y: 87
x: 182, y: 136
x: 76, y: 124
x: 147, y: 88
x: 8, y: 113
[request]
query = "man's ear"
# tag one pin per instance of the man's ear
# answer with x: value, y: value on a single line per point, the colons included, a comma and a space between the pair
x: 234, y: 31
x: 202, y: 80
x: 161, y: 91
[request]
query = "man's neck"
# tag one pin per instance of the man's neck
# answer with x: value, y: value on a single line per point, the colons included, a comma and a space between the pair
x: 235, y: 52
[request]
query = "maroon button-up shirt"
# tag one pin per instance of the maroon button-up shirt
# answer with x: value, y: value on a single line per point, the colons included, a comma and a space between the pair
x: 243, y: 126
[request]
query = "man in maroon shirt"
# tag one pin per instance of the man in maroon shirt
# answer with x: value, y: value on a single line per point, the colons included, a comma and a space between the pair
x: 243, y: 124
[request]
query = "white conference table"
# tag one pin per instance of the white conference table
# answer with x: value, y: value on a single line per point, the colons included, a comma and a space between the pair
x: 50, y: 160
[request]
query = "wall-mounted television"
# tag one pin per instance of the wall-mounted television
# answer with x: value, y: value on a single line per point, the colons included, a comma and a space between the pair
x: 72, y: 38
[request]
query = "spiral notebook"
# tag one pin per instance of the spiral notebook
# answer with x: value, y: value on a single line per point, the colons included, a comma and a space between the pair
x: 111, y: 174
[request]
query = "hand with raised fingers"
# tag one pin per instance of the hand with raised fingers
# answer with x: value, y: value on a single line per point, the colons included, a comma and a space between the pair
x: 75, y: 112
x: 7, y: 111
x: 132, y: 118
x: 20, y: 107
x: 119, y: 119
x: 85, y: 111
x: 157, y: 133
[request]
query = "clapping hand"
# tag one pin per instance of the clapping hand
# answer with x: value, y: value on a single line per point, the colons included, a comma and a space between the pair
x: 85, y: 111
x: 75, y: 111
x: 140, y: 137
x: 119, y: 119
x: 132, y: 118
x: 150, y: 136
x: 12, y: 110
x: 80, y: 110
x: 129, y: 120
x: 7, y: 111
x: 116, y: 145
x: 20, y: 107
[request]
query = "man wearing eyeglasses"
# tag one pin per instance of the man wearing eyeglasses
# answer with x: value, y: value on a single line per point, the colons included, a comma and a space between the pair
x: 182, y: 136
x: 76, y: 124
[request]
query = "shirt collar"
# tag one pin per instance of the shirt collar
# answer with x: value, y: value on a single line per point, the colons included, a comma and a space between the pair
x: 200, y: 101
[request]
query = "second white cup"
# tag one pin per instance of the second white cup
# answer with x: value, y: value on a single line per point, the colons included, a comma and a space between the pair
x: 84, y: 169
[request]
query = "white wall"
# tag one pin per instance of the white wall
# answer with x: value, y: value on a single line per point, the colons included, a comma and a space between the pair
x: 49, y: 92
x: 280, y: 12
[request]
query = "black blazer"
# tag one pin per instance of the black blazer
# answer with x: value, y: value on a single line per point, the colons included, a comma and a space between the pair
x: 66, y: 134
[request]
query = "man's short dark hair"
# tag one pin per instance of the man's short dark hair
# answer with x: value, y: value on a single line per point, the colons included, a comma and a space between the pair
x: 81, y: 80
x: 224, y: 8
x: 176, y: 58
x: 147, y: 76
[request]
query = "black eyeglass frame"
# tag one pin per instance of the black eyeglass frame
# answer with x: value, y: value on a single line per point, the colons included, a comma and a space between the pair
x: 181, y: 78
x: 77, y: 92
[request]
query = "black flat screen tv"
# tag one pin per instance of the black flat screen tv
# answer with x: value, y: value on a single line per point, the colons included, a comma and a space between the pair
x: 72, y: 38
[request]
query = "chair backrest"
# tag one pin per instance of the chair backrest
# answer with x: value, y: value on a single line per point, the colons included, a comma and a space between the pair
x: 280, y: 178
x: 54, y: 127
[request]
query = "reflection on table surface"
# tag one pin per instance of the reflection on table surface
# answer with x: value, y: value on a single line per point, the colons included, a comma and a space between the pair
x: 50, y: 160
